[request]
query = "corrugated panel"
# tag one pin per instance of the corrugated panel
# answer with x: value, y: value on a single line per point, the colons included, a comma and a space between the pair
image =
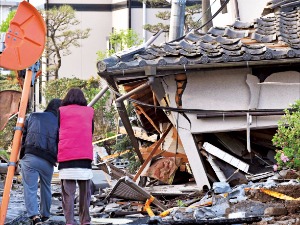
x: 226, y: 157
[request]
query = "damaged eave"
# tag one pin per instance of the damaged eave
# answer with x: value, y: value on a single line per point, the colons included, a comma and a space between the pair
x: 139, y: 73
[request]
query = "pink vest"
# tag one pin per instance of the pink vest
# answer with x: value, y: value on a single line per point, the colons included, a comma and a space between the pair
x: 75, y: 133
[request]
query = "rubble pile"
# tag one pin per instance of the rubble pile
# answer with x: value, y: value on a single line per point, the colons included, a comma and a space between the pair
x: 271, y: 201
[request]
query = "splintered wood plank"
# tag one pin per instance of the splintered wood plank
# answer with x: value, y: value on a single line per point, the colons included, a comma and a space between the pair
x: 148, y: 118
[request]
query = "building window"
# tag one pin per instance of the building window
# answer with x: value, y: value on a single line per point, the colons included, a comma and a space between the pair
x: 224, y: 10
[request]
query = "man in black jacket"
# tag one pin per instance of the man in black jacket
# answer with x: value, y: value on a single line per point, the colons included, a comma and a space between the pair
x: 38, y: 157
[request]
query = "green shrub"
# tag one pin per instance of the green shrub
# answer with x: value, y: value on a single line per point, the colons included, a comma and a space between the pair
x: 287, y: 139
x: 4, y: 154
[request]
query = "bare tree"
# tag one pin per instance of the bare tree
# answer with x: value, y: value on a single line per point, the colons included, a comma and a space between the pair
x: 61, y: 35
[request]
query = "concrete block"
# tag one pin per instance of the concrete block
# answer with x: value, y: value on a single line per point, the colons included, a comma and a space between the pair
x: 221, y: 187
x: 275, y: 211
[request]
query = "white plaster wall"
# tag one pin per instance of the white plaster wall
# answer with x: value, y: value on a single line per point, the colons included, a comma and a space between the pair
x: 120, y: 19
x: 251, y: 9
x: 228, y: 90
x: 280, y: 90
x: 6, y: 6
x: 217, y: 90
x: 4, y: 10
x: 137, y: 23
x: 224, y: 89
x: 248, y: 11
x: 82, y: 62
x: 221, y: 19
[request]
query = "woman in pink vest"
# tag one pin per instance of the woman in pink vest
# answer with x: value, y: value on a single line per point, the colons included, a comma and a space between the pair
x: 75, y: 154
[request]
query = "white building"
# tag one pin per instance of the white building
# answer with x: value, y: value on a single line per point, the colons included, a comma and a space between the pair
x: 6, y: 6
x: 244, y: 10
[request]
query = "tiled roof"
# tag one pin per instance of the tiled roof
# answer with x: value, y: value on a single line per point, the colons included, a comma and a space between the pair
x: 283, y: 4
x: 270, y: 37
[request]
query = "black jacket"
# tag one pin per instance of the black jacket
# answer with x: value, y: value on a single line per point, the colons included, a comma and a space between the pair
x: 40, y: 136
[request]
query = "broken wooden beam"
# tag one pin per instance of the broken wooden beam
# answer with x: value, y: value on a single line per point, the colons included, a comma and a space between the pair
x: 158, y: 143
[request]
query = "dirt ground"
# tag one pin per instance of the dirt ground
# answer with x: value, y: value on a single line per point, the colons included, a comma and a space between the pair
x: 292, y: 206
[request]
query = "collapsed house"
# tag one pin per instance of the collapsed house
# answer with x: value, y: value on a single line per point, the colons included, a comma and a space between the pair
x: 213, y: 98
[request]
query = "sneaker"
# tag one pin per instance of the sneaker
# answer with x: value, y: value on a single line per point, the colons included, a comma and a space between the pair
x: 44, y: 218
x: 36, y: 220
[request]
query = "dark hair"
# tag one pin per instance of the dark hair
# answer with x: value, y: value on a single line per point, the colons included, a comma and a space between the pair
x: 74, y: 96
x: 53, y: 106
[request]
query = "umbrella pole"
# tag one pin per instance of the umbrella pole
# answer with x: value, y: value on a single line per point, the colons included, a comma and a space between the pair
x: 14, y: 156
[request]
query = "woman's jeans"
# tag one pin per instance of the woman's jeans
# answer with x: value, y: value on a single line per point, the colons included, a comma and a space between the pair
x: 32, y: 168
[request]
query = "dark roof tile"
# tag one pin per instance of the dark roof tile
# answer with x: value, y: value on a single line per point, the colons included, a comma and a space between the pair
x: 235, y: 34
x: 212, y: 47
x: 145, y: 56
x: 242, y: 25
x: 283, y: 3
x: 266, y: 30
x: 291, y: 3
x: 193, y: 36
x: 288, y: 35
x: 217, y: 31
x: 204, y: 59
x: 185, y: 53
x: 208, y: 38
x: 233, y: 53
x: 254, y: 51
x: 263, y: 38
x: 227, y: 41
x: 155, y: 51
x: 264, y: 22
x: 288, y: 22
x: 235, y: 46
x: 295, y: 46
x: 294, y: 41
x: 170, y: 50
x: 187, y: 46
